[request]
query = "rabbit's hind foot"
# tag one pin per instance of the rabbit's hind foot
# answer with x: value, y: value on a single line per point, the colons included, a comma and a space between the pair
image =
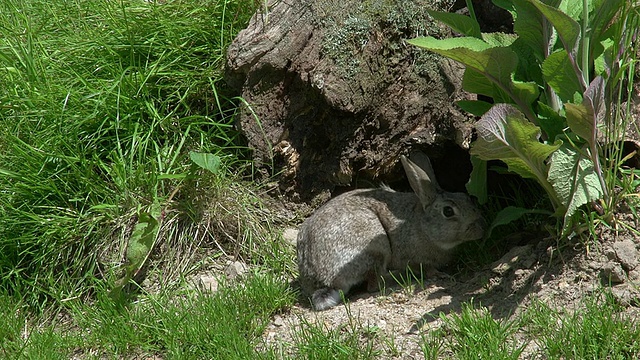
x: 326, y: 298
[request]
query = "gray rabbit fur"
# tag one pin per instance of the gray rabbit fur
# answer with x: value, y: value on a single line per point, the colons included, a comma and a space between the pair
x: 363, y: 234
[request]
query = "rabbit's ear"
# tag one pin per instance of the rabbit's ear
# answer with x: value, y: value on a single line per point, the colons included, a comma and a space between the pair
x: 424, y: 163
x: 421, y: 177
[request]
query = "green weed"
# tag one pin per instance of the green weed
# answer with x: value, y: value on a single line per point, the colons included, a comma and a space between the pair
x: 548, y: 82
x: 225, y: 325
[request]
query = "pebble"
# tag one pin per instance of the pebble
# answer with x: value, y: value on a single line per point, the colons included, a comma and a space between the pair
x: 627, y: 254
x: 625, y: 295
x: 278, y: 321
x: 511, y: 259
x: 612, y: 272
x: 208, y: 283
x: 235, y: 269
x: 290, y: 236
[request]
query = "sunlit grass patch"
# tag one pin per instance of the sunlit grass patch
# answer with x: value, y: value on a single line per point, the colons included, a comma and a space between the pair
x: 599, y: 330
x: 104, y: 100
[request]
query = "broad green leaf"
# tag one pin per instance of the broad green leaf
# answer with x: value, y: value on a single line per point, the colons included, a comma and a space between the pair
x: 507, y: 5
x: 574, y: 180
x: 594, y: 97
x: 437, y: 45
x: 602, y: 55
x: 477, y: 184
x: 474, y: 107
x: 529, y: 26
x: 583, y: 118
x: 156, y: 210
x: 496, y: 64
x: 560, y: 75
x: 459, y: 23
x: 499, y: 39
x: 567, y: 28
x: 511, y: 214
x: 529, y: 68
x: 551, y: 122
x: 578, y: 119
x: 528, y: 92
x: 505, y: 134
x: 601, y: 18
x: 206, y: 161
x: 141, y: 240
x: 139, y: 246
x: 572, y: 8
x: 477, y: 83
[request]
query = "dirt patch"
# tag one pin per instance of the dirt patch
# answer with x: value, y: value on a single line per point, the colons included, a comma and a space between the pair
x: 559, y: 274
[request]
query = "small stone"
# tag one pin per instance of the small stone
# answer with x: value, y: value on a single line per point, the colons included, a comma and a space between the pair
x: 634, y: 276
x: 613, y: 273
x: 235, y: 269
x: 627, y: 254
x: 290, y: 236
x: 208, y: 283
x: 625, y: 295
x: 277, y: 321
x: 594, y: 265
x: 610, y: 253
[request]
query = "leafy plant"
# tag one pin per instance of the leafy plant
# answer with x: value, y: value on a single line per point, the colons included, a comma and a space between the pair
x: 140, y: 244
x: 548, y: 82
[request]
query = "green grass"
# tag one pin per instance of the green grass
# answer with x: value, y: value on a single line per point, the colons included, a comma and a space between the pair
x: 225, y: 325
x: 229, y: 324
x: 314, y: 340
x: 103, y: 102
x: 598, y: 331
x: 473, y: 334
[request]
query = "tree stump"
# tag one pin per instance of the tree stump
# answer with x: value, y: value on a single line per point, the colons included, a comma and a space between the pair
x: 335, y: 95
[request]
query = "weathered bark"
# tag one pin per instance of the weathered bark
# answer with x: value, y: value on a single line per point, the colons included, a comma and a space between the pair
x: 335, y: 94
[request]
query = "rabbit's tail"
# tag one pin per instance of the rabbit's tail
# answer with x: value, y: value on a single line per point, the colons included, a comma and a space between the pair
x: 325, y: 298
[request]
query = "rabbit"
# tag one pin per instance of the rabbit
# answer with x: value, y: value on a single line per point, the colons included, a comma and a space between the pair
x: 364, y: 234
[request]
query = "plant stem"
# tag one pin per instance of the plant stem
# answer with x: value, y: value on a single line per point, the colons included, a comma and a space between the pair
x: 547, y: 32
x: 472, y: 12
x: 585, y: 42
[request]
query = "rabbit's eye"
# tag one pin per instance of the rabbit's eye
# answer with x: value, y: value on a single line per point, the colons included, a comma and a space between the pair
x: 448, y: 211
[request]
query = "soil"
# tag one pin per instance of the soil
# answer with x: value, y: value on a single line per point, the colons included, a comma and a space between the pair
x: 560, y: 274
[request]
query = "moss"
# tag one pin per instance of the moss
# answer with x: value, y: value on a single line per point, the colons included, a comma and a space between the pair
x: 426, y: 64
x: 344, y: 42
x: 348, y: 30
